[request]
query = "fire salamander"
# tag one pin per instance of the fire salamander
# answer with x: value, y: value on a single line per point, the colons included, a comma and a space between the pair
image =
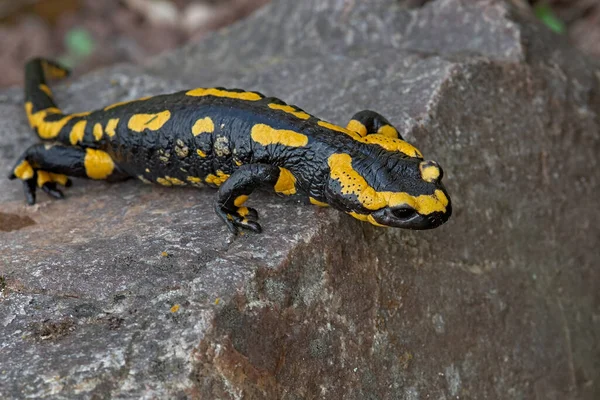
x: 235, y: 141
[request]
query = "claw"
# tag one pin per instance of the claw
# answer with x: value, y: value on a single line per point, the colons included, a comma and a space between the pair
x: 248, y: 213
x: 250, y: 225
x: 230, y: 225
x: 60, y: 179
x: 50, y: 189
x: 29, y: 189
x: 252, y: 214
x: 32, y: 179
x: 244, y: 223
x: 235, y: 220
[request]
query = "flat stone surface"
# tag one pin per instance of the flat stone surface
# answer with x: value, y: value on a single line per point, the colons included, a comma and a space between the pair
x: 501, y: 302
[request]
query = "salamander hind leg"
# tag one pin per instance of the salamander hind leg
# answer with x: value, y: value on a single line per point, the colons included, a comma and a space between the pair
x: 235, y: 191
x: 46, y: 166
x: 369, y: 122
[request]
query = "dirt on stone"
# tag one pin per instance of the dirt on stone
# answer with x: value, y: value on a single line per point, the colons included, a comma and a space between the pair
x: 52, y: 330
x: 13, y: 222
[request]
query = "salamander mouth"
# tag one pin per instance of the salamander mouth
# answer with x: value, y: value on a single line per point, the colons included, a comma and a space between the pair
x: 408, y: 218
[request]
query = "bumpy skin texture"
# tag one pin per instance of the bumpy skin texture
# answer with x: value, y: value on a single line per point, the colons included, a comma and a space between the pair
x: 235, y: 141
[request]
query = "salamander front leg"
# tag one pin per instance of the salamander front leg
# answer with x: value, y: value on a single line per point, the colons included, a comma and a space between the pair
x: 44, y: 166
x: 235, y: 191
x: 369, y: 122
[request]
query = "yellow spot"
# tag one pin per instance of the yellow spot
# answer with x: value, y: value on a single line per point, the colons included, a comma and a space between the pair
x: 23, y: 171
x: 175, y: 181
x: 164, y: 182
x: 122, y: 103
x: 429, y: 172
x: 195, y: 181
x: 388, y: 143
x: 218, y: 179
x: 47, y: 129
x: 97, y: 131
x: 251, y: 96
x: 153, y: 122
x: 53, y: 71
x: 242, y: 212
x: 286, y: 183
x: 170, y: 181
x: 237, y: 162
x: 441, y: 197
x: 44, y: 88
x: 266, y: 135
x: 317, y: 202
x: 337, y: 128
x: 388, y: 131
x: 289, y: 110
x: 175, y: 308
x: 362, y: 217
x: 203, y: 125
x: 98, y: 164
x: 393, y: 144
x: 240, y: 200
x: 59, y: 178
x: 81, y: 114
x: 77, y: 132
x: 352, y: 183
x: 366, y: 218
x: 201, y: 153
x: 111, y: 125
x: 148, y: 170
x: 164, y: 254
x: 358, y: 127
x: 217, y: 300
x: 42, y: 178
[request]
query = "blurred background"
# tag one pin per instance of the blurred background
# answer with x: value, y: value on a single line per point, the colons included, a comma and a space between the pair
x: 87, y: 34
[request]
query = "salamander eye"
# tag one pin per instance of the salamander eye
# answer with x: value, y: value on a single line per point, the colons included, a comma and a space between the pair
x: 404, y: 212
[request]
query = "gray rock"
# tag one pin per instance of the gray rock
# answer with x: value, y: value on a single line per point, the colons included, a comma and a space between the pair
x: 501, y: 302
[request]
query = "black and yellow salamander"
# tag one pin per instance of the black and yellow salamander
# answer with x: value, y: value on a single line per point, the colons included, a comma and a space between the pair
x: 235, y: 141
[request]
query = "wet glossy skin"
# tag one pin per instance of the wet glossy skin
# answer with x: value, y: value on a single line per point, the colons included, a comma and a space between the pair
x: 235, y: 141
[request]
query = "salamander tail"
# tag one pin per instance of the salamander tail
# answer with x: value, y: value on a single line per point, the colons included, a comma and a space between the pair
x: 37, y: 91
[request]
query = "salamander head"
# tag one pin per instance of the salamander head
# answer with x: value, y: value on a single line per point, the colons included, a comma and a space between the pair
x: 394, y: 191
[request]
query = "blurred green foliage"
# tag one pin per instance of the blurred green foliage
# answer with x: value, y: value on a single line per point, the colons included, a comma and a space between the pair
x: 79, y: 44
x: 546, y: 15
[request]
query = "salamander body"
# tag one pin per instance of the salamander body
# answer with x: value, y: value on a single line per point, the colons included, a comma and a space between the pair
x: 235, y: 141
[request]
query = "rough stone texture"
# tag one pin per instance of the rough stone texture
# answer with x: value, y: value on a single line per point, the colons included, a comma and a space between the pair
x: 501, y: 302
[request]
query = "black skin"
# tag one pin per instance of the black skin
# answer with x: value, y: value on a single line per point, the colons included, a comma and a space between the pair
x: 172, y: 151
